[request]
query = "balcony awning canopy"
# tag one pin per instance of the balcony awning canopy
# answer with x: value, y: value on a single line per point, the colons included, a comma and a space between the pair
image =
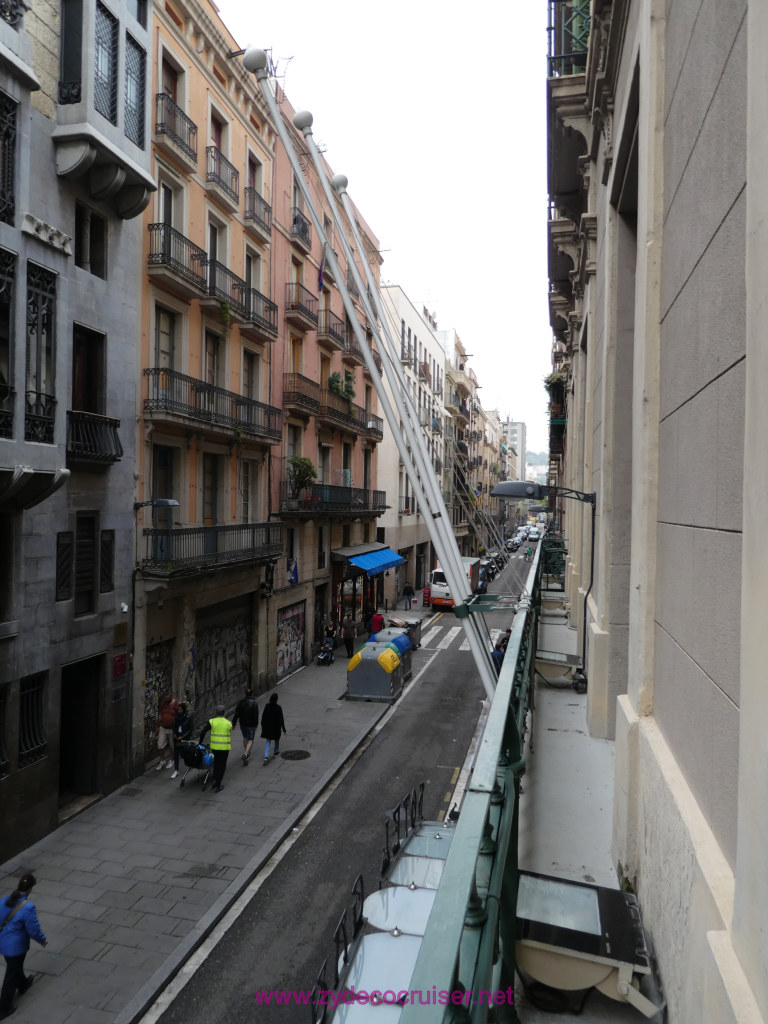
x: 370, y: 558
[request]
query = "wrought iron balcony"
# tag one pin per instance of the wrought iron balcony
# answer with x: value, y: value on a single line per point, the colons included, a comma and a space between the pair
x: 300, y: 394
x: 172, y: 123
x: 374, y: 426
x: 92, y: 438
x: 352, y: 352
x: 7, y: 395
x: 301, y: 229
x: 424, y: 373
x: 39, y: 417
x: 261, y: 315
x: 406, y: 355
x: 180, y: 263
x: 300, y: 306
x: 337, y: 409
x: 226, y: 287
x: 171, y: 392
x: 331, y: 330
x: 191, y: 549
x: 222, y: 174
x: 331, y: 499
x: 437, y: 425
x: 258, y: 212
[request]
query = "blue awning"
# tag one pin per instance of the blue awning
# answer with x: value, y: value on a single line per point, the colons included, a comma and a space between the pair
x: 377, y: 561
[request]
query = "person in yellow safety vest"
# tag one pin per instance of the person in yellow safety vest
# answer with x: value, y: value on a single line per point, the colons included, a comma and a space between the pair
x: 220, y: 729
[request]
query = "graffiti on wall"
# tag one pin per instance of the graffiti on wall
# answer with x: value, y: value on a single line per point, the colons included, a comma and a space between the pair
x: 159, y: 680
x: 290, y: 639
x: 222, y: 665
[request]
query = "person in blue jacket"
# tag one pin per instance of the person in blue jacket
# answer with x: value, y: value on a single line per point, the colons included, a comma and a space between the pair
x: 18, y: 924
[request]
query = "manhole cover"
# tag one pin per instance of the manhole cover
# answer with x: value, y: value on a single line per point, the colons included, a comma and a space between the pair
x: 295, y: 755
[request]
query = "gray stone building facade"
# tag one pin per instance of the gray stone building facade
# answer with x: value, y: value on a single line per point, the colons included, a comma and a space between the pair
x: 73, y: 178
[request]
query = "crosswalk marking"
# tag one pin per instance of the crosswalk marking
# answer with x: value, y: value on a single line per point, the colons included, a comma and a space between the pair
x: 449, y: 637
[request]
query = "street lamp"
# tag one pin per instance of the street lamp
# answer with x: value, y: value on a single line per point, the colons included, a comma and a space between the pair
x: 535, y: 492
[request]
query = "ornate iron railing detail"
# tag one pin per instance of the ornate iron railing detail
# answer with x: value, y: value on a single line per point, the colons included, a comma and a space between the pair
x: 197, y: 548
x: 7, y: 396
x: 331, y: 498
x: 331, y: 326
x: 39, y: 418
x: 257, y: 209
x: 70, y: 92
x: 299, y: 299
x: 168, y: 247
x: 8, y: 114
x: 171, y: 121
x: 228, y: 287
x: 374, y: 425
x: 12, y: 11
x: 222, y: 173
x: 261, y: 310
x: 92, y: 438
x: 301, y: 228
x: 174, y: 392
x: 32, y: 738
x: 300, y: 390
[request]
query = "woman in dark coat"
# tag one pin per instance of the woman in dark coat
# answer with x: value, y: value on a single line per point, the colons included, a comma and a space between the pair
x: 272, y: 726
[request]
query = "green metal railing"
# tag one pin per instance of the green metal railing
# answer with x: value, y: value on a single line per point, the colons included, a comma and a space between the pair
x: 470, y: 937
x: 569, y: 22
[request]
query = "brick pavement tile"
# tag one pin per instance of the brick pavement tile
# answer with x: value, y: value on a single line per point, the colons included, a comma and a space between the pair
x: 86, y: 949
x: 116, y: 900
x: 89, y: 930
x: 145, y: 875
x: 82, y: 892
x: 117, y: 856
x: 212, y: 884
x: 85, y: 911
x: 153, y: 905
x: 118, y: 883
x: 157, y: 924
x: 84, y: 858
x: 175, y: 864
x: 47, y: 871
x: 89, y: 878
x: 90, y: 1015
x: 121, y: 916
x: 179, y: 880
x: 133, y: 937
x: 48, y: 904
x: 125, y: 956
x: 147, y: 889
x: 53, y: 963
x: 187, y: 911
x: 142, y: 860
x: 179, y: 893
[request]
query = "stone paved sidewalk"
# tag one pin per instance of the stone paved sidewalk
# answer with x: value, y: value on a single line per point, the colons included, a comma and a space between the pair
x: 127, y: 890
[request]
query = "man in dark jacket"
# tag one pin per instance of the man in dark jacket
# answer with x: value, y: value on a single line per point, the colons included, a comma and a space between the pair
x: 247, y: 714
x: 272, y: 725
x: 182, y: 731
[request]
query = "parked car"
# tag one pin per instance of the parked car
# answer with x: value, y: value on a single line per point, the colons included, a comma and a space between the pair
x: 533, y: 535
x: 514, y: 542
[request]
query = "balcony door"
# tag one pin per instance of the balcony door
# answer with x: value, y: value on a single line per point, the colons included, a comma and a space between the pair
x: 87, y: 370
x: 210, y: 498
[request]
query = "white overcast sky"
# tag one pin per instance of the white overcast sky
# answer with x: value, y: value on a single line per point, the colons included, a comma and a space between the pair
x: 435, y: 111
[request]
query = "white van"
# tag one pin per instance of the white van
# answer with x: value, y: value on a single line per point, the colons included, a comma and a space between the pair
x: 440, y: 592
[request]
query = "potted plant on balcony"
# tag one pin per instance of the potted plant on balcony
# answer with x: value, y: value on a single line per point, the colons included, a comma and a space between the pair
x: 301, y: 474
x: 336, y: 384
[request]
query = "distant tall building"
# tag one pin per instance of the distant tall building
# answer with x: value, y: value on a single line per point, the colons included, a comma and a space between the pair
x: 515, y: 437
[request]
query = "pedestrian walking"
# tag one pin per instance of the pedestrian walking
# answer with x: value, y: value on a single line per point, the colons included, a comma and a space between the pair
x: 408, y: 595
x: 348, y: 632
x: 220, y: 729
x: 272, y: 726
x: 182, y: 731
x: 165, y: 716
x: 247, y: 713
x: 18, y: 924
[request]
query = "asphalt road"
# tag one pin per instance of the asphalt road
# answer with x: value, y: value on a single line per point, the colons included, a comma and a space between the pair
x: 281, y: 939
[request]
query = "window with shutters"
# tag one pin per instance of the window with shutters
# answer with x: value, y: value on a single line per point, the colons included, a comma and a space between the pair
x: 8, y: 112
x: 65, y: 560
x: 85, y: 563
x: 107, y: 562
x: 41, y: 323
x: 135, y: 75
x: 105, y: 70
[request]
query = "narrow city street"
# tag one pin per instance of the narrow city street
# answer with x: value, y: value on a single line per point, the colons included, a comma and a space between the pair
x: 280, y: 941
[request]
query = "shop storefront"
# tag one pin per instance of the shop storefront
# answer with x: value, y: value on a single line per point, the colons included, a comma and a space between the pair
x: 291, y: 626
x: 356, y: 579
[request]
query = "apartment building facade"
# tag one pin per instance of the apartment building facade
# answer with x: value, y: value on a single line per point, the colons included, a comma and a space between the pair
x: 657, y: 167
x: 75, y: 178
x: 258, y: 425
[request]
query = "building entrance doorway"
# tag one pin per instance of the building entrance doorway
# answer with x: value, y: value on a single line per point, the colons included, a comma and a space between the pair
x: 79, y: 730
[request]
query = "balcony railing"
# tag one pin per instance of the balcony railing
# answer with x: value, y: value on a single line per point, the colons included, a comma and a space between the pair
x: 173, y: 392
x: 257, y: 210
x: 331, y: 327
x: 261, y: 310
x: 568, y: 32
x: 352, y: 352
x: 301, y: 391
x: 331, y: 498
x: 189, y: 549
x: 222, y: 173
x: 301, y: 229
x: 351, y: 286
x: 300, y: 302
x: 39, y: 417
x: 374, y: 425
x: 168, y: 247
x: 424, y: 373
x: 406, y: 355
x: 171, y: 121
x: 228, y: 288
x: 92, y: 438
x: 7, y: 395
